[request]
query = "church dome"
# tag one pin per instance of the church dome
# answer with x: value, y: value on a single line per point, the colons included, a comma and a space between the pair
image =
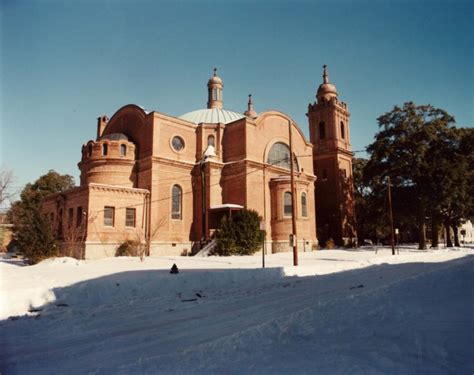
x: 214, y: 80
x: 326, y: 90
x: 212, y: 116
x: 214, y: 113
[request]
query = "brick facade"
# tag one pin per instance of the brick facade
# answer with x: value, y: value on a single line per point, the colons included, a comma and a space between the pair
x: 172, y: 173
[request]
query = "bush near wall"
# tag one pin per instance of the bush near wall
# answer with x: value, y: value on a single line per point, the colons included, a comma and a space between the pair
x: 239, y: 234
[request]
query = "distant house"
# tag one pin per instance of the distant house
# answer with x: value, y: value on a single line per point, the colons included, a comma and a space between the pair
x: 167, y: 180
x: 468, y: 230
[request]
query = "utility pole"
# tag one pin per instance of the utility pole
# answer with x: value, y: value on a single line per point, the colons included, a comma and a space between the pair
x: 293, y: 201
x: 392, y: 232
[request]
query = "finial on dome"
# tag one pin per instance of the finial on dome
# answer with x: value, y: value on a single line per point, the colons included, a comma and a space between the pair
x: 250, y: 112
x: 325, y: 74
x: 215, y: 72
x: 326, y: 90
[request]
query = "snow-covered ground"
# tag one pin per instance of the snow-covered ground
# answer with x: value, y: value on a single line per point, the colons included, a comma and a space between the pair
x: 338, y: 312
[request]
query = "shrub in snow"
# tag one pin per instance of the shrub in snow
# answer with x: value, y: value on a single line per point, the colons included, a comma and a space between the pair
x: 129, y: 248
x: 240, y: 234
x: 330, y: 244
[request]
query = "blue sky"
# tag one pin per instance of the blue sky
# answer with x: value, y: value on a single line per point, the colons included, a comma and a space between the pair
x: 64, y: 63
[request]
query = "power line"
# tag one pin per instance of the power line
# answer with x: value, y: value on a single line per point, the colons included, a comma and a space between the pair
x: 190, y: 192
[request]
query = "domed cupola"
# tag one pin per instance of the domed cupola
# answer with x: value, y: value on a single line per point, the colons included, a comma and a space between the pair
x: 214, y: 86
x: 326, y: 90
x: 109, y: 160
x: 214, y: 113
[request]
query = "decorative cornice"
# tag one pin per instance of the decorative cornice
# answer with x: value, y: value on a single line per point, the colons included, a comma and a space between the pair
x: 115, y: 188
x: 172, y: 162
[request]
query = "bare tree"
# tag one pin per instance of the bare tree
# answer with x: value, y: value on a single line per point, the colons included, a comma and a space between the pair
x: 7, y: 192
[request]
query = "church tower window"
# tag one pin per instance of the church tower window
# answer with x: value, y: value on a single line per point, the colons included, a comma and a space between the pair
x: 322, y: 130
x: 325, y: 175
x: 105, y: 149
x: 343, y: 133
x: 123, y: 150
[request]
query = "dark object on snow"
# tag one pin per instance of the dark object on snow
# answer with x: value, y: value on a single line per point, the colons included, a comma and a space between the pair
x: 358, y: 286
x: 199, y: 295
x: 174, y: 269
x: 117, y: 284
x: 62, y: 305
x: 189, y: 300
x: 34, y: 310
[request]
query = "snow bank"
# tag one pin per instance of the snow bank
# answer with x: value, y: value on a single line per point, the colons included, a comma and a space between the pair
x: 122, y: 278
x: 421, y: 325
x: 338, y: 312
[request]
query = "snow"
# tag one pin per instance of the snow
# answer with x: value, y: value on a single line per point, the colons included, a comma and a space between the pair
x: 338, y: 312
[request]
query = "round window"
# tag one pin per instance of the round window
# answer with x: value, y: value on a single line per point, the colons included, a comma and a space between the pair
x: 177, y: 143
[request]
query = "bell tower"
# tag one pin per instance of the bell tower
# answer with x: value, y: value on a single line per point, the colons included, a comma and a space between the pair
x: 332, y: 160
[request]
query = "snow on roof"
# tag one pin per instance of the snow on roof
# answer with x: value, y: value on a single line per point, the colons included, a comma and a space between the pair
x: 227, y: 205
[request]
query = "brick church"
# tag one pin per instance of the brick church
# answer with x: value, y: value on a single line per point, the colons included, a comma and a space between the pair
x: 167, y: 181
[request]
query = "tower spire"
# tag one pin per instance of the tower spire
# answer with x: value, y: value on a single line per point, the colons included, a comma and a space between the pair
x: 214, y: 89
x: 325, y: 74
x: 250, y: 112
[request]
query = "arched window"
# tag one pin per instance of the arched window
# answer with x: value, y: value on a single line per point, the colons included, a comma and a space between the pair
x: 322, y: 130
x: 89, y: 150
x: 211, y: 140
x: 279, y: 156
x: 123, y: 150
x: 105, y: 149
x: 287, y: 209
x: 343, y: 133
x: 304, y: 205
x: 176, y: 202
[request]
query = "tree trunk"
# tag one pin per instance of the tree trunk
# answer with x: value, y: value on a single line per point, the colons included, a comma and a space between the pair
x: 421, y: 233
x: 434, y: 232
x: 449, y: 243
x: 456, y: 236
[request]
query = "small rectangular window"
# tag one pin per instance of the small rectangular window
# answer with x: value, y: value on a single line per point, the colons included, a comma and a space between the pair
x: 79, y: 215
x: 109, y: 216
x: 70, y: 217
x: 130, y: 217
